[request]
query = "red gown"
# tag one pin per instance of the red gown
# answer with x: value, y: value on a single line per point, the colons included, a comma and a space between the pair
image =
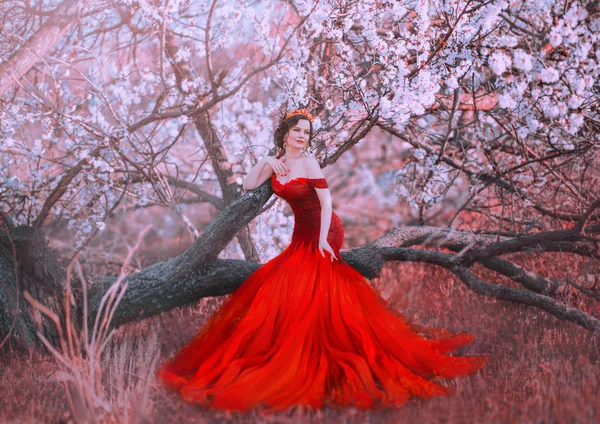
x: 302, y: 330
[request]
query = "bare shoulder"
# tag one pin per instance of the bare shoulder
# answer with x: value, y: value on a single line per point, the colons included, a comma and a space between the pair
x: 312, y: 167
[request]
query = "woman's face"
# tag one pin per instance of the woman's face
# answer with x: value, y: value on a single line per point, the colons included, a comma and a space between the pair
x: 299, y: 134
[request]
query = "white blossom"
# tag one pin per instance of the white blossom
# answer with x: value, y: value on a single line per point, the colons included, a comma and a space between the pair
x: 549, y: 75
x: 506, y: 101
x: 575, y: 122
x: 555, y: 36
x: 499, y: 62
x: 183, y: 54
x: 522, y: 60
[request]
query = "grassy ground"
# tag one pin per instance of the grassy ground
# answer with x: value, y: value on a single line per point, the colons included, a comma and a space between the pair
x: 540, y: 369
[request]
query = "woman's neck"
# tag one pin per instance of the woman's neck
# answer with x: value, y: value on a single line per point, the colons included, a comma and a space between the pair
x: 293, y: 155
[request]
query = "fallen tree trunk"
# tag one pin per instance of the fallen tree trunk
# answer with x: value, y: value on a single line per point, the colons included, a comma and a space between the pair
x: 198, y: 272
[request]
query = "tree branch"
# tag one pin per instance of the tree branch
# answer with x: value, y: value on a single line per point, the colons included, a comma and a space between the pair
x: 62, y: 20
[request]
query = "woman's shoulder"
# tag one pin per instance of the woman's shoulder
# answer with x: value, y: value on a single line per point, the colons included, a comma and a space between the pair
x: 312, y: 167
x: 309, y: 159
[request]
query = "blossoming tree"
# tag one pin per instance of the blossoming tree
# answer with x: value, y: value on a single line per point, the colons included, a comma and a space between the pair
x: 113, y: 106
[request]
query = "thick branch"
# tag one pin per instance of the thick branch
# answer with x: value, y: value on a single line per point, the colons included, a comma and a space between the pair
x: 527, y: 297
x: 496, y: 291
x: 519, y: 244
x: 527, y: 279
x: 435, y: 237
x: 198, y: 273
x: 193, y: 274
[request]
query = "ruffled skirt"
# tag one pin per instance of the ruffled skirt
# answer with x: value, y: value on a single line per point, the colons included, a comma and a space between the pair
x: 303, y: 330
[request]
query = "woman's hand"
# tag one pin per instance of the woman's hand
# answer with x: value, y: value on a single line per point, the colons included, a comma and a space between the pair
x: 324, y: 245
x: 276, y: 165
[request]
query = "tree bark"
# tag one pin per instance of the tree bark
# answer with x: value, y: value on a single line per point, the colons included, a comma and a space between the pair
x: 27, y: 264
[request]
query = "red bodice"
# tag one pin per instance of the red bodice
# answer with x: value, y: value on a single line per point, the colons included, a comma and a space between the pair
x: 300, y: 193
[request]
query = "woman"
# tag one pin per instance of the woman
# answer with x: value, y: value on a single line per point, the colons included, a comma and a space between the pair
x: 306, y: 328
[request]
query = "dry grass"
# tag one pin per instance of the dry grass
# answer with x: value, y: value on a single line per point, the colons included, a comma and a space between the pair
x: 540, y: 370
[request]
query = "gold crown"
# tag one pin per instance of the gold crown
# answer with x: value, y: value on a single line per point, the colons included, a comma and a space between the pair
x: 303, y: 112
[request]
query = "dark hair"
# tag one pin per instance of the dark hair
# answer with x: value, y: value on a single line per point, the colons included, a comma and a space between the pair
x: 282, y: 129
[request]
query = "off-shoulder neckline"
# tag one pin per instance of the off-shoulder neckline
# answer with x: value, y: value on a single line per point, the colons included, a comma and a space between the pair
x: 274, y: 176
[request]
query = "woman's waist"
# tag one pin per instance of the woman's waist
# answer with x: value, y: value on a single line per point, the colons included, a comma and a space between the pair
x: 312, y: 225
x: 313, y: 218
x: 310, y: 231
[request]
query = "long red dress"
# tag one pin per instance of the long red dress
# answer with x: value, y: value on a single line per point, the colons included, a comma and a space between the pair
x: 302, y: 330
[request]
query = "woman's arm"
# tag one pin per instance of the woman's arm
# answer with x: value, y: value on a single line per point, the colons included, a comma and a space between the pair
x: 263, y: 170
x: 258, y: 174
x: 313, y: 170
x: 326, y: 211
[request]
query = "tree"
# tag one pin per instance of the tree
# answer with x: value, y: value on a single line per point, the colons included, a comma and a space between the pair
x: 488, y: 112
